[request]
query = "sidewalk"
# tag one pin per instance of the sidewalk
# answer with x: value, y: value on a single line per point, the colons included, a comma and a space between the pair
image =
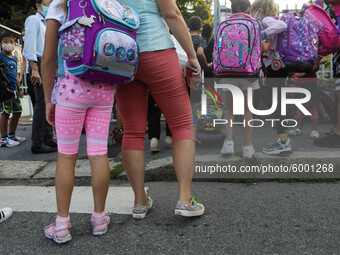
x: 19, y: 162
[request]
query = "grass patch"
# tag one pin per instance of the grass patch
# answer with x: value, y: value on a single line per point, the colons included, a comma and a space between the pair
x: 40, y: 169
x: 117, y: 170
x: 48, y: 184
x: 117, y: 159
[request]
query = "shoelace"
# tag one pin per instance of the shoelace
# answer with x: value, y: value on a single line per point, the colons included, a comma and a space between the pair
x: 193, y: 200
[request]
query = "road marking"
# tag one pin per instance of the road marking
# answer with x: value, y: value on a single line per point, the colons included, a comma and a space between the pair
x: 42, y: 199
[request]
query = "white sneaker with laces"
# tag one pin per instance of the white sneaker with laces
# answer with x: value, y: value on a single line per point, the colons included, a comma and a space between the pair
x: 248, y: 151
x: 18, y: 139
x: 154, y: 145
x: 168, y: 142
x: 228, y: 147
x: 5, y: 213
x: 9, y: 143
x: 314, y: 135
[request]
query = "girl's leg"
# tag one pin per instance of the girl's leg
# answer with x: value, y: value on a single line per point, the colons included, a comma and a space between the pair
x: 248, y: 130
x: 100, y: 180
x: 69, y: 123
x: 132, y: 103
x: 314, y: 118
x: 97, y: 123
x: 229, y: 116
x: 64, y: 182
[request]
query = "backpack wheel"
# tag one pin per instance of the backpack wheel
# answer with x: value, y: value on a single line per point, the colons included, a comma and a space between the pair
x: 277, y: 65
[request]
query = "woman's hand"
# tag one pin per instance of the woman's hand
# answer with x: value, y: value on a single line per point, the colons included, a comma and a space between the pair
x: 50, y: 113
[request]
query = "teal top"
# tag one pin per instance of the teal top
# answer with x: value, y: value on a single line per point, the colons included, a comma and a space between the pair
x: 153, y: 33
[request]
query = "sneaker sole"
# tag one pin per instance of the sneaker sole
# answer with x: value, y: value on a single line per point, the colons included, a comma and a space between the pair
x: 99, y: 233
x: 278, y: 152
x: 154, y: 149
x: 138, y: 216
x: 60, y: 241
x: 189, y: 213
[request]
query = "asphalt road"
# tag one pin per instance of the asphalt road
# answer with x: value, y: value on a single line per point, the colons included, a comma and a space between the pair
x: 263, y: 218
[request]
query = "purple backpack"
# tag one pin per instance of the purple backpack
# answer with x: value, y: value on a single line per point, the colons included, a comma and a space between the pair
x: 298, y: 45
x: 99, y: 40
x: 237, y: 48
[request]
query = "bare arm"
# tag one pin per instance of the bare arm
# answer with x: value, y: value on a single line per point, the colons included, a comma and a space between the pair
x: 21, y: 94
x: 202, y: 58
x: 23, y: 68
x: 49, y: 65
x: 176, y: 23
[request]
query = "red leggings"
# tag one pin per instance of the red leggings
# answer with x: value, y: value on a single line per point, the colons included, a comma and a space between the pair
x: 160, y: 73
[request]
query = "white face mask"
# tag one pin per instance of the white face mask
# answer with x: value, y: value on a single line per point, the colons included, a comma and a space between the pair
x: 8, y: 47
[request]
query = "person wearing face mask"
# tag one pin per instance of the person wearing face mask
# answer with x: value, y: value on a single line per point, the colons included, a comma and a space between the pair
x: 12, y: 105
x: 35, y: 27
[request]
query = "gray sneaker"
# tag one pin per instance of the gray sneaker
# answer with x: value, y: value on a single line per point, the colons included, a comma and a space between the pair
x: 191, y: 209
x: 139, y: 211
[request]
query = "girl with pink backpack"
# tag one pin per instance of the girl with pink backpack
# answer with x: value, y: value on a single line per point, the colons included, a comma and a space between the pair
x: 228, y: 57
x: 266, y: 11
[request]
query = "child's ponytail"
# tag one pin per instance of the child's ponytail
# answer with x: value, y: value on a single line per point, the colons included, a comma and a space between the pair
x: 269, y: 7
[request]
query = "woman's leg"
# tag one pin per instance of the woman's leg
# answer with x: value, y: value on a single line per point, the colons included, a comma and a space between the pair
x: 229, y: 116
x: 248, y: 130
x: 169, y: 91
x: 183, y: 154
x: 132, y: 103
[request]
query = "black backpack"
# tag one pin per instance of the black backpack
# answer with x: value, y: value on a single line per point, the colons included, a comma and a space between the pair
x: 5, y: 91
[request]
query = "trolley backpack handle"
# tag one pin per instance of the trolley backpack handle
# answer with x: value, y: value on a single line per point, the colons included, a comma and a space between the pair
x: 239, y: 14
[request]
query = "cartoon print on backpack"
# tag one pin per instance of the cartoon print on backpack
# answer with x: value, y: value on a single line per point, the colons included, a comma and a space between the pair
x: 109, y: 49
x: 131, y: 55
x: 120, y: 53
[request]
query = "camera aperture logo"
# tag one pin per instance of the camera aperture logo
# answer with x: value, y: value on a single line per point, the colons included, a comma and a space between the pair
x: 238, y: 105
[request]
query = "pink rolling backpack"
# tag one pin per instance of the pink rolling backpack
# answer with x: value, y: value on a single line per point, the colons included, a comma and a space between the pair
x: 99, y: 40
x: 237, y: 47
x: 328, y: 32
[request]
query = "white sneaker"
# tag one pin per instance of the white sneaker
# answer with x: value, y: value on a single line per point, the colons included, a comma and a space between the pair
x: 295, y: 132
x: 5, y: 213
x: 18, y: 139
x: 228, y: 147
x: 314, y: 135
x: 154, y: 145
x: 248, y: 151
x: 168, y: 142
x: 9, y: 143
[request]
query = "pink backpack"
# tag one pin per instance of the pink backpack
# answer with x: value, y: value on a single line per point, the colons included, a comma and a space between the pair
x: 237, y: 47
x: 328, y: 32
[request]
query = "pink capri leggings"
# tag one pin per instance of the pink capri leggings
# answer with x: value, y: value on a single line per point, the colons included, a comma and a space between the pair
x: 82, y: 103
x: 160, y: 73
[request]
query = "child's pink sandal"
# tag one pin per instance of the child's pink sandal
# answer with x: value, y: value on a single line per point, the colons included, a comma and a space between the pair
x: 100, y: 224
x: 51, y: 232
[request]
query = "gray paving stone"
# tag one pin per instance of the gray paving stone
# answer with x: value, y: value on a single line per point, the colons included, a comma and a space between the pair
x: 83, y: 168
x: 13, y: 169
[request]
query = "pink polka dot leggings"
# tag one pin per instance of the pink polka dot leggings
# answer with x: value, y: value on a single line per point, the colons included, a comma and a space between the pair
x: 80, y: 102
